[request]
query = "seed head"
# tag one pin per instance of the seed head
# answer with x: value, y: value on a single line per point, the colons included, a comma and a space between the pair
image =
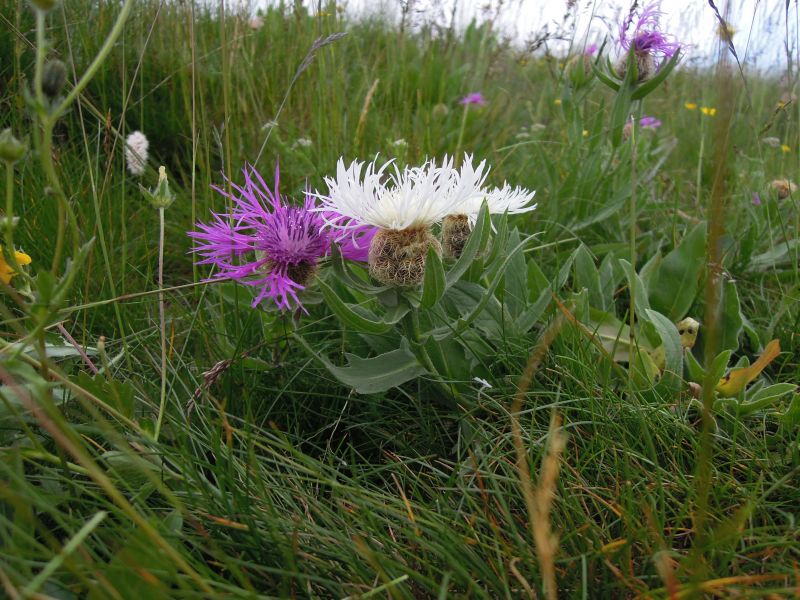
x: 136, y: 146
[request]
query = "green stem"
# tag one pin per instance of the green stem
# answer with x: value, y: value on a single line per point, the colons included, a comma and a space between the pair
x: 632, y: 247
x: 411, y: 326
x: 162, y: 324
x: 461, y: 134
x: 9, y: 219
x: 41, y: 51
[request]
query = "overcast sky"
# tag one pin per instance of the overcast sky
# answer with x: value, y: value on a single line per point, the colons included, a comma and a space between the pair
x: 761, y: 25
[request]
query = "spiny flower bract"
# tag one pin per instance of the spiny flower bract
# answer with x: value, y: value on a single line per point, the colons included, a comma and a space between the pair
x: 269, y: 244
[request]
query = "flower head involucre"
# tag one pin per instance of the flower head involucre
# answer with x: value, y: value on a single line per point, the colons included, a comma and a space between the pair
x: 266, y: 243
x: 136, y: 146
x: 413, y: 197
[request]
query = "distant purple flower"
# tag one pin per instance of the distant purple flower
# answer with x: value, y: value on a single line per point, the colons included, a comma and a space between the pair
x: 591, y: 50
x: 646, y: 37
x: 473, y: 98
x: 649, y: 123
x: 266, y: 243
x: 756, y: 199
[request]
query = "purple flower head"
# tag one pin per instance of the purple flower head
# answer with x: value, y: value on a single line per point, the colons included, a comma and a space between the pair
x: 649, y: 123
x: 269, y: 244
x: 591, y: 50
x: 756, y: 199
x: 646, y: 37
x: 473, y: 98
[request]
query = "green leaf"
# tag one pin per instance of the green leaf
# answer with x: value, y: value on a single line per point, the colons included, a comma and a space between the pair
x: 372, y: 375
x: 637, y: 288
x: 360, y: 320
x: 673, y: 369
x: 651, y: 84
x: 349, y: 279
x: 433, y: 285
x: 516, y: 279
x: 695, y: 370
x: 464, y: 322
x: 719, y: 365
x: 731, y: 322
x: 117, y: 394
x: 587, y: 276
x: 765, y: 397
x: 476, y: 241
x: 673, y: 287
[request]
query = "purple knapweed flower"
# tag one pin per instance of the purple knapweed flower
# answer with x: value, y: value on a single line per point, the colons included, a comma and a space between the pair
x: 756, y: 199
x: 269, y: 244
x: 473, y: 98
x: 591, y: 50
x: 649, y: 123
x: 647, y: 40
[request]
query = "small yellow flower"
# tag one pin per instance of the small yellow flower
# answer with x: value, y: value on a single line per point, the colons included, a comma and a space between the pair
x: 557, y: 101
x: 6, y: 272
x: 585, y: 133
x: 690, y: 105
x: 708, y: 111
x: 785, y: 148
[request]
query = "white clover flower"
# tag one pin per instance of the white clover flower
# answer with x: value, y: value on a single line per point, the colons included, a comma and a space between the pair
x: 136, y: 146
x: 413, y: 197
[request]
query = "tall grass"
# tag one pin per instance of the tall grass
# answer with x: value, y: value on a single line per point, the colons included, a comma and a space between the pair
x: 271, y: 479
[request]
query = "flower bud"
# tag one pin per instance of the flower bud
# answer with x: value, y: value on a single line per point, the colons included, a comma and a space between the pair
x: 162, y: 196
x: 11, y: 149
x: 54, y: 77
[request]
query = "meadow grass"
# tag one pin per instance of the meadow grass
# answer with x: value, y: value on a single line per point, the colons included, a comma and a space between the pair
x: 269, y: 477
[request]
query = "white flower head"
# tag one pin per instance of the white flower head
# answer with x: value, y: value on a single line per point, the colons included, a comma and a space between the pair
x: 499, y: 200
x: 413, y: 197
x: 302, y: 143
x: 136, y: 146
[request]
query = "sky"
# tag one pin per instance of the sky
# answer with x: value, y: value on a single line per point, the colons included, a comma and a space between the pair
x: 761, y: 28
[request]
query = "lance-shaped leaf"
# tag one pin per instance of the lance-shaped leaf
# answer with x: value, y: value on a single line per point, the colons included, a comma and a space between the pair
x: 372, y: 375
x: 673, y: 286
x: 476, y: 242
x: 356, y: 317
x: 434, y: 284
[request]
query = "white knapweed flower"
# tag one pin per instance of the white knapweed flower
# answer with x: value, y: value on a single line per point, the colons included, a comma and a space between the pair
x: 402, y: 204
x: 136, y: 146
x: 457, y: 225
x: 413, y: 197
x: 499, y: 200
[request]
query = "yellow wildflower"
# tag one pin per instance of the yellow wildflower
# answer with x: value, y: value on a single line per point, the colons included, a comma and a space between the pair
x: 585, y: 133
x: 557, y: 101
x: 708, y: 111
x: 690, y: 105
x: 785, y: 148
x: 6, y: 272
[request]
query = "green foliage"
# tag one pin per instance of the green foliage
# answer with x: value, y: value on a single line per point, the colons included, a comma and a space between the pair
x: 365, y: 449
